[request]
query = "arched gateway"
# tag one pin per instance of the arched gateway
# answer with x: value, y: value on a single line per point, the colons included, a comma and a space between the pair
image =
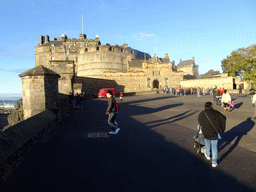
x: 156, y: 84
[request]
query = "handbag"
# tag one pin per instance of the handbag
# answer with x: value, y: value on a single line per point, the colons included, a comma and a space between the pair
x: 232, y: 104
x: 219, y: 136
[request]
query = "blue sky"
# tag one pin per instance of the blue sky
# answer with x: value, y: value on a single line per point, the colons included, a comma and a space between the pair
x: 208, y: 30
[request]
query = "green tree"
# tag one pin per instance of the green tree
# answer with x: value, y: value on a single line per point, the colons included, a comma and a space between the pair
x: 210, y: 73
x: 241, y: 63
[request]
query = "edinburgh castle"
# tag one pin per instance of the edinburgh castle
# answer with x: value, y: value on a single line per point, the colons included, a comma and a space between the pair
x: 132, y: 70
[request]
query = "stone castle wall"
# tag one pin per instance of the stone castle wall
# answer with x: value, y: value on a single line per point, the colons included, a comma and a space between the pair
x: 93, y: 64
x: 189, y: 69
x: 89, y: 56
x: 142, y: 79
x: 223, y: 82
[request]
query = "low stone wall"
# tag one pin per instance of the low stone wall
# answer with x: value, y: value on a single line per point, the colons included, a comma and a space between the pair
x: 17, y: 140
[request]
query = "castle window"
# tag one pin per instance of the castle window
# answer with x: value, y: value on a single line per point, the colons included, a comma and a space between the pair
x: 67, y: 58
x: 68, y: 45
x: 76, y: 59
x: 153, y: 72
x: 67, y: 52
x: 122, y: 50
x: 166, y: 82
x: 80, y: 45
x: 86, y: 50
x: 52, y: 51
x: 110, y: 48
x: 52, y: 58
x: 97, y: 48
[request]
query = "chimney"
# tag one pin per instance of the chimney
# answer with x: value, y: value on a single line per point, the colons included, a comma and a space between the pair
x: 82, y: 36
x: 47, y: 39
x: 166, y: 55
x: 180, y: 60
x: 41, y: 39
x: 193, y: 59
x: 125, y: 45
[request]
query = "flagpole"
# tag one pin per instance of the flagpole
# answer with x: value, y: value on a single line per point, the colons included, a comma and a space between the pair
x: 82, y: 25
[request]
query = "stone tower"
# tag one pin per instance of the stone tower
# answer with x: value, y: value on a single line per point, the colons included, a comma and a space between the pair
x: 39, y: 90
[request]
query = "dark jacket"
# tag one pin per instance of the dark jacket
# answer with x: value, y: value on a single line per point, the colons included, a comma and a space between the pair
x: 217, y: 119
x: 111, y: 105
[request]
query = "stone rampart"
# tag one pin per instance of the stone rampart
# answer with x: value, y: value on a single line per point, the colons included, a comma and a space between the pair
x: 89, y: 86
x: 221, y: 82
x: 18, y: 139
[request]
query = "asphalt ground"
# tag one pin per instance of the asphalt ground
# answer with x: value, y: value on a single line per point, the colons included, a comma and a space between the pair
x: 152, y: 152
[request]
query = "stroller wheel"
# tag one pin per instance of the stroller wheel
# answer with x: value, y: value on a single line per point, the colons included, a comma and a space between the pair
x: 198, y: 149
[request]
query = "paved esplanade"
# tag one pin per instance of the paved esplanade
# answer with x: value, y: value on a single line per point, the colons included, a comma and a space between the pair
x: 152, y: 152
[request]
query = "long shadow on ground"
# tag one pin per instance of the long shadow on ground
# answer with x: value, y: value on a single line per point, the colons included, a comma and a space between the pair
x: 237, y: 133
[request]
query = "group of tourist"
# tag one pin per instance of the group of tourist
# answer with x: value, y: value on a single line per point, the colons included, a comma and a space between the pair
x: 220, y: 96
x: 179, y: 91
x: 76, y: 100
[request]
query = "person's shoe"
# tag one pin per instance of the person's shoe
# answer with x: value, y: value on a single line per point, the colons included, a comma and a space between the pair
x: 214, y: 164
x: 207, y: 157
x: 117, y: 130
x: 111, y: 132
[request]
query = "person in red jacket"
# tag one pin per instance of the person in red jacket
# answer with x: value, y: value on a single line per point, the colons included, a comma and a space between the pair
x: 222, y: 91
x: 121, y: 97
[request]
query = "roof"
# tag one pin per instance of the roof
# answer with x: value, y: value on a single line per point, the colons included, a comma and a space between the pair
x: 136, y: 63
x: 164, y: 60
x: 39, y: 71
x: 56, y: 43
x: 185, y: 63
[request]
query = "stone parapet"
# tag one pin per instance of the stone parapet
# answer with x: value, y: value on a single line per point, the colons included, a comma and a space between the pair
x: 17, y: 140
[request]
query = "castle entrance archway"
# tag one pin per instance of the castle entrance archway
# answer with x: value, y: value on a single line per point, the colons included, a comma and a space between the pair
x: 156, y: 84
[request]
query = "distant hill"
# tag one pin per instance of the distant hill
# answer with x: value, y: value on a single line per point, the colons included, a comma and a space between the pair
x: 10, y: 96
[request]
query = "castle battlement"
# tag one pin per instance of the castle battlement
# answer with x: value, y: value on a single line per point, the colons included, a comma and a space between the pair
x: 90, y: 58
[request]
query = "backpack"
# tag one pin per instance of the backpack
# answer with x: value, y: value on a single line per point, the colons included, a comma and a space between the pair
x: 117, y: 107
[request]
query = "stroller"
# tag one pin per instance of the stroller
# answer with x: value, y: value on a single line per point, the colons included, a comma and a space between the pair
x: 199, y: 143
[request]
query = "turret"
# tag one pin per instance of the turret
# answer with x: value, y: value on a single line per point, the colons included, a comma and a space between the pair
x: 63, y: 37
x: 82, y: 36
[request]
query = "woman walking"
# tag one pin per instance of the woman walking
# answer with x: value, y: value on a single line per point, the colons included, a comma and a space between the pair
x: 226, y: 100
